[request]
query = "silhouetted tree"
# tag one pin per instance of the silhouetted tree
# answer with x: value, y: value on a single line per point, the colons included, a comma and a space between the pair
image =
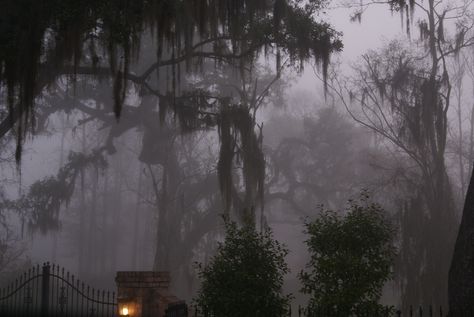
x: 319, y: 163
x: 351, y: 259
x: 245, y: 276
x: 421, y: 108
x: 67, y: 38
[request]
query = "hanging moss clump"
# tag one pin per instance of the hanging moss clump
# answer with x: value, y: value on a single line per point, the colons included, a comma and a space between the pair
x: 40, y: 206
x: 240, y: 143
x: 43, y: 40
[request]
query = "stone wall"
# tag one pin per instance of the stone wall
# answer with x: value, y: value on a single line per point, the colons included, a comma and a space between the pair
x: 146, y: 294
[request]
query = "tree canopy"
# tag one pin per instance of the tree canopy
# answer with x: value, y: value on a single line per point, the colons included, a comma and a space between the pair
x: 40, y: 41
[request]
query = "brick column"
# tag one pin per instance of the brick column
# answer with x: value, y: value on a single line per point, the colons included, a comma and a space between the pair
x: 145, y: 294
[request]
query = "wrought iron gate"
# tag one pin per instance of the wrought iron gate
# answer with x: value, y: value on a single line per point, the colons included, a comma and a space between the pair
x: 51, y: 291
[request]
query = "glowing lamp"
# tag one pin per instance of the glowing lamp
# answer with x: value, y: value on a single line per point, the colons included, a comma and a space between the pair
x: 127, y: 308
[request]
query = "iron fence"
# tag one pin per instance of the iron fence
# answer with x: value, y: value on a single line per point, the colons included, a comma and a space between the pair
x: 411, y: 311
x: 51, y: 291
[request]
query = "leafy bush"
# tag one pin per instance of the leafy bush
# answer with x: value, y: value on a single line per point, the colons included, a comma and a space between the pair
x: 351, y: 259
x: 245, y: 276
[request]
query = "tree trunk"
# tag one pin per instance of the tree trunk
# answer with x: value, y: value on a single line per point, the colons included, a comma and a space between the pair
x: 104, y: 243
x: 439, y: 241
x: 461, y: 272
x: 92, y: 226
x: 136, y: 224
x: 166, y: 210
x: 82, y: 210
x: 117, y: 212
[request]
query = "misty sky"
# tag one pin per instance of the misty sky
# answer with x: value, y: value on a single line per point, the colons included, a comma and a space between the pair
x: 314, y: 151
x: 378, y: 27
x: 41, y: 157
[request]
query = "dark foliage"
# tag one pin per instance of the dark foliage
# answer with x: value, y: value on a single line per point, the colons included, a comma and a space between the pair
x: 38, y: 39
x: 245, y: 276
x: 240, y: 141
x: 40, y: 206
x: 406, y: 100
x: 461, y: 271
x: 351, y: 259
x: 400, y: 5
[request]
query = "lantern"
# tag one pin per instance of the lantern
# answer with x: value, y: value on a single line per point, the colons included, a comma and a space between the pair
x: 126, y: 308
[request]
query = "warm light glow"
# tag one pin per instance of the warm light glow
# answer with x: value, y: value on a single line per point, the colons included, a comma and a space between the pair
x: 125, y: 311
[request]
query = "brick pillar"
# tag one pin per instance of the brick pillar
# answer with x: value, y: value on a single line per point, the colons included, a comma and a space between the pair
x: 145, y: 294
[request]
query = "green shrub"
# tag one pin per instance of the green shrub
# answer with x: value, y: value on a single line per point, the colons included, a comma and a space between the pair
x: 351, y: 259
x: 245, y: 277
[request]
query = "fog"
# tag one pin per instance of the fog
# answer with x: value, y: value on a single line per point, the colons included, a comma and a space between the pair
x: 140, y: 177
